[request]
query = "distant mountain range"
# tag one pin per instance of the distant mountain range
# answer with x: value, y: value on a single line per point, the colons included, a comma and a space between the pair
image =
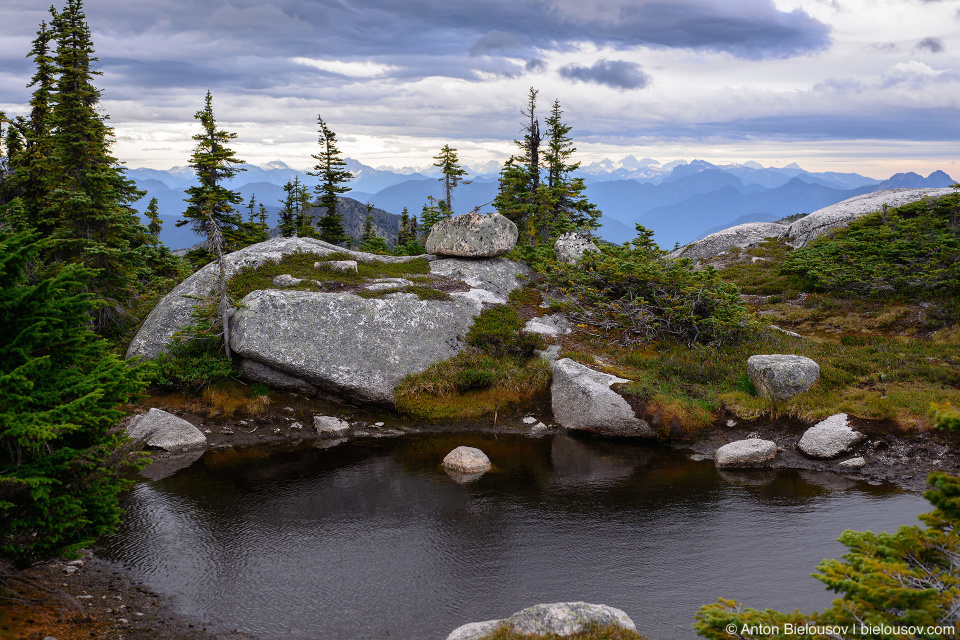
x: 681, y: 201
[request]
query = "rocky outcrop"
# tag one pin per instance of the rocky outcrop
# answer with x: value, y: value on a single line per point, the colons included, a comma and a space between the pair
x: 253, y: 370
x: 839, y: 215
x: 497, y: 277
x: 571, y: 246
x: 472, y: 235
x: 742, y: 235
x: 560, y: 618
x: 782, y: 376
x: 751, y: 453
x: 467, y: 460
x: 173, y: 313
x: 553, y: 325
x: 830, y: 438
x: 582, y: 399
x: 163, y: 430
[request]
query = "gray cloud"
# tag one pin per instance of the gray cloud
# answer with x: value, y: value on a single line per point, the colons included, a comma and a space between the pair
x: 934, y: 45
x: 619, y: 74
x: 536, y: 65
x: 495, y: 40
x: 885, y: 47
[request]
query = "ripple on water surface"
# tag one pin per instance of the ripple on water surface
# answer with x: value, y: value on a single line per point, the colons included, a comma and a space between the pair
x: 372, y: 538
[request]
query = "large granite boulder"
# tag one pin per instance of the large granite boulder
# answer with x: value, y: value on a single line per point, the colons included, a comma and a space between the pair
x: 472, y: 235
x: 571, y: 246
x: 839, y: 215
x: 745, y: 454
x: 742, y: 235
x: 560, y: 618
x: 582, y: 399
x: 830, y: 438
x: 782, y: 376
x: 163, y: 430
x: 173, y: 313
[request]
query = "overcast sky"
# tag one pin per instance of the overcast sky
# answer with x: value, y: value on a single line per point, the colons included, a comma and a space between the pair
x: 870, y: 86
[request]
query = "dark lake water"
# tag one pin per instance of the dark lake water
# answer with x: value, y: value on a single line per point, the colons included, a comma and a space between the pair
x: 371, y: 539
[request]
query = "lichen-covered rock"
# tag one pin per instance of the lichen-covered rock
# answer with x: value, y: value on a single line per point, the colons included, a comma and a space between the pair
x: 330, y: 426
x: 497, y: 276
x: 339, y: 265
x: 830, y: 438
x: 173, y: 312
x: 165, y: 431
x: 560, y: 618
x: 745, y: 454
x: 467, y: 460
x: 782, y: 376
x: 286, y: 280
x: 253, y: 370
x: 571, y: 246
x: 839, y: 215
x: 472, y: 235
x: 553, y: 325
x: 582, y: 399
x: 742, y: 235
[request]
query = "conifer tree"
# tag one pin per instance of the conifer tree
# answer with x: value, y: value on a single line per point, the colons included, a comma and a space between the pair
x: 517, y: 198
x: 210, y: 202
x: 451, y: 174
x: 61, y: 452
x: 368, y: 233
x: 403, y: 233
x: 89, y: 203
x: 251, y: 207
x: 431, y: 214
x: 288, y: 219
x: 153, y: 214
x: 569, y: 208
x: 329, y: 169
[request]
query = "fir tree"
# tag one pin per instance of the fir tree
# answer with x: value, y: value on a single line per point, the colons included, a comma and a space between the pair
x: 432, y: 213
x: 61, y: 451
x: 329, y: 169
x: 569, y: 208
x: 368, y: 233
x: 153, y: 214
x: 451, y: 174
x: 288, y: 220
x: 403, y: 233
x: 213, y: 162
x: 517, y: 198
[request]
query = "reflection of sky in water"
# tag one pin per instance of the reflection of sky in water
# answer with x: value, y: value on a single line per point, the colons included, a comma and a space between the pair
x: 372, y: 538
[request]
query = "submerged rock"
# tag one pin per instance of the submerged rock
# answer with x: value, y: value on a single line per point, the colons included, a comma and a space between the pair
x: 467, y: 460
x: 830, y: 438
x: 582, y: 399
x: 165, y: 431
x: 330, y: 426
x: 559, y: 618
x: 782, y: 376
x: 472, y: 235
x: 745, y: 454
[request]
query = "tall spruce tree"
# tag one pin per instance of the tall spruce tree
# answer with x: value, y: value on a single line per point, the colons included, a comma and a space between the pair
x: 210, y: 202
x: 330, y: 170
x: 88, y: 208
x: 153, y: 215
x: 519, y: 195
x: 569, y: 208
x: 451, y: 174
x: 61, y: 451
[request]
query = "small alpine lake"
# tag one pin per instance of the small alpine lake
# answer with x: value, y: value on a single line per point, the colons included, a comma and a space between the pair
x: 371, y: 539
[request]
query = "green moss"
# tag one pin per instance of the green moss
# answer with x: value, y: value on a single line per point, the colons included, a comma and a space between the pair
x: 499, y: 331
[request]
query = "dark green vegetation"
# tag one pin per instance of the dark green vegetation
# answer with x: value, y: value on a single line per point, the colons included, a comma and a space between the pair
x: 907, y: 578
x: 592, y: 632
x: 498, y: 369
x: 61, y: 449
x: 330, y: 169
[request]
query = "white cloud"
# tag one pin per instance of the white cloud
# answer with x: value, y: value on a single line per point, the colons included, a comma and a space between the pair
x: 356, y: 69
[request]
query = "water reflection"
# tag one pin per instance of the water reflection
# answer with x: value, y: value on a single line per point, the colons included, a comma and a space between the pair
x: 373, y: 537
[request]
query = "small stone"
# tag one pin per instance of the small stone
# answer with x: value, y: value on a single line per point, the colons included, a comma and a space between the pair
x: 539, y: 427
x: 781, y: 376
x: 467, y: 460
x: 731, y: 423
x: 329, y: 426
x: 297, y: 426
x: 226, y: 432
x: 854, y: 463
x: 276, y: 432
x: 697, y: 457
x: 339, y: 265
x: 286, y: 280
x: 378, y: 424
x: 830, y: 438
x: 529, y: 420
x: 207, y: 431
x: 75, y: 563
x: 69, y: 570
x: 123, y: 621
x: 745, y: 454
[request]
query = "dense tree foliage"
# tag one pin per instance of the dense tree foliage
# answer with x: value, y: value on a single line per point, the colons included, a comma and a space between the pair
x: 330, y: 169
x: 886, y: 582
x: 451, y: 175
x: 60, y: 388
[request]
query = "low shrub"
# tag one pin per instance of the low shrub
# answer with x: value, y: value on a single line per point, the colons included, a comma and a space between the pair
x: 192, y: 363
x: 945, y: 417
x: 499, y: 331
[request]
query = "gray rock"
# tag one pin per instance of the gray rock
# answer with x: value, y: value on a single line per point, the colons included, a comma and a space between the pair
x: 853, y: 463
x: 339, y: 265
x: 782, y: 376
x: 554, y: 325
x: 745, y: 454
x: 742, y: 235
x: 498, y: 276
x: 571, y: 246
x: 286, y: 280
x: 330, y: 426
x: 792, y: 334
x: 559, y: 618
x: 839, y: 215
x: 830, y: 438
x: 472, y: 235
x: 550, y: 354
x: 467, y: 460
x: 253, y: 370
x: 164, y: 467
x: 348, y: 345
x: 165, y: 431
x: 173, y: 313
x: 582, y: 399
x: 388, y: 283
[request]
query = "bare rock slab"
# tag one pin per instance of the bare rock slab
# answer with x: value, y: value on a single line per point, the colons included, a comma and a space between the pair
x: 751, y: 453
x: 472, y: 235
x: 582, y: 399
x: 467, y: 460
x: 742, y: 235
x: 830, y: 438
x: 782, y: 376
x: 165, y: 431
x: 571, y: 246
x: 559, y: 618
